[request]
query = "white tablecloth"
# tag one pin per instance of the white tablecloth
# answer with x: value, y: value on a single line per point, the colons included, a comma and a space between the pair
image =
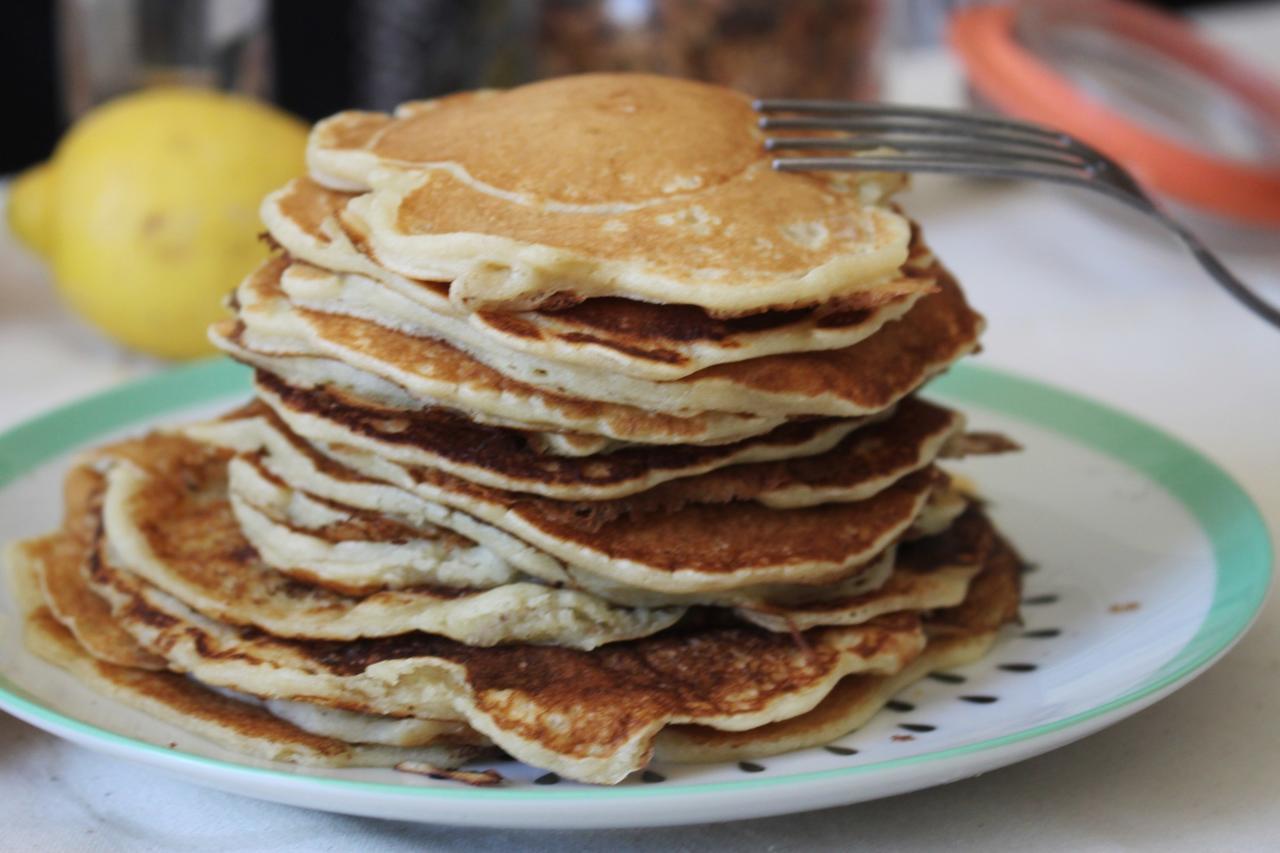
x: 1078, y: 293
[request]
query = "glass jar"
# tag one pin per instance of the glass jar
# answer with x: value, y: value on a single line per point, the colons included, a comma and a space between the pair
x: 799, y: 48
x: 110, y: 47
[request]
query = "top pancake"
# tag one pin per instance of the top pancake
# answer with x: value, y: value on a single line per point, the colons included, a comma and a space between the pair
x: 606, y: 185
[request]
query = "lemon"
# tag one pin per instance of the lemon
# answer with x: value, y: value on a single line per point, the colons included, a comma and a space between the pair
x: 148, y: 210
x: 29, y: 199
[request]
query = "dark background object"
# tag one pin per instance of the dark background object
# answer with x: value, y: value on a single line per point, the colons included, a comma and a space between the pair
x: 28, y: 66
x: 312, y: 57
x: 811, y: 48
x: 407, y: 49
x: 328, y: 55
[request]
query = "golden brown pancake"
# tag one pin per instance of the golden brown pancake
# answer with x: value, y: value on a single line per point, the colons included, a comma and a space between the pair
x: 849, y: 706
x: 957, y: 636
x: 167, y: 518
x: 862, y: 464
x: 53, y: 567
x: 242, y: 727
x: 515, y: 460
x: 436, y: 373
x: 853, y: 381
x: 586, y: 715
x: 110, y: 661
x: 929, y: 574
x: 831, y: 459
x: 476, y: 191
x: 993, y: 598
x: 170, y: 522
x: 695, y: 548
x: 263, y: 503
x: 556, y: 708
x: 646, y: 340
x: 57, y: 561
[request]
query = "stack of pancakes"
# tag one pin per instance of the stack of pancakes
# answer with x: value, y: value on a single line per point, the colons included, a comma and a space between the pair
x: 579, y: 433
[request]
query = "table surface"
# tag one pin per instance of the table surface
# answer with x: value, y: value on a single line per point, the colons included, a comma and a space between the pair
x: 1078, y: 293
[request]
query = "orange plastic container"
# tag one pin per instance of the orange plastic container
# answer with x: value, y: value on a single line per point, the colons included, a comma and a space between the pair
x: 1013, y: 78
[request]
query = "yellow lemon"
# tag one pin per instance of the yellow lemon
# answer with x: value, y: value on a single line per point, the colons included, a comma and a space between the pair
x: 148, y: 210
x: 29, y: 199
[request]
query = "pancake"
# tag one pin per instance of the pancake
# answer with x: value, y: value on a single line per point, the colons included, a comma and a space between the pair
x: 277, y: 466
x: 344, y: 547
x: 261, y: 497
x: 58, y: 561
x: 269, y: 482
x: 258, y: 489
x: 666, y: 342
x: 35, y: 570
x: 353, y: 727
x: 325, y: 302
x: 929, y: 574
x: 626, y: 675
x: 848, y: 707
x: 862, y: 465
x: 45, y: 570
x: 645, y: 340
x: 777, y: 607
x: 324, y: 543
x: 697, y: 548
x: 52, y: 566
x: 837, y: 463
x: 166, y: 517
x: 853, y: 381
x: 171, y: 524
x: 48, y: 573
x: 570, y: 444
x: 957, y: 636
x: 700, y: 547
x: 586, y: 715
x: 507, y: 459
x: 845, y: 707
x: 434, y: 372
x: 373, y: 392
x: 240, y: 726
x: 540, y: 211
x: 264, y: 503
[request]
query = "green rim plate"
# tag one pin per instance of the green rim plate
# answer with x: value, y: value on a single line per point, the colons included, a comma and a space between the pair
x: 1232, y: 523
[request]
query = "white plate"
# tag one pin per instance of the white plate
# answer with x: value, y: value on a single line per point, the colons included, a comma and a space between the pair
x: 1149, y: 563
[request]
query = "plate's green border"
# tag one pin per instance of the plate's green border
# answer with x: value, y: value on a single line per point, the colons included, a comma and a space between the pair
x: 1237, y: 533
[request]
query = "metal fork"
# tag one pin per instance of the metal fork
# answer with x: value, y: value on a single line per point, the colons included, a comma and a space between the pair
x: 924, y: 139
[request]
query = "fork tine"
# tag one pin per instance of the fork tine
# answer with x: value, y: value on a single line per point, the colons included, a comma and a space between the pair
x: 995, y: 168
x: 914, y: 114
x: 769, y: 105
x: 1013, y: 150
x: 889, y: 124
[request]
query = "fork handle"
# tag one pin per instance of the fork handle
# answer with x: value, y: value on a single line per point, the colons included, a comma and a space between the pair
x: 1208, y: 261
x: 1214, y: 267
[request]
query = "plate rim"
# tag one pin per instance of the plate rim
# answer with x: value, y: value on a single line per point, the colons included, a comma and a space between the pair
x: 1238, y: 535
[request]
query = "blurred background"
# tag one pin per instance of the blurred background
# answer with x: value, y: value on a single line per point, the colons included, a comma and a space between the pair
x: 313, y: 58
